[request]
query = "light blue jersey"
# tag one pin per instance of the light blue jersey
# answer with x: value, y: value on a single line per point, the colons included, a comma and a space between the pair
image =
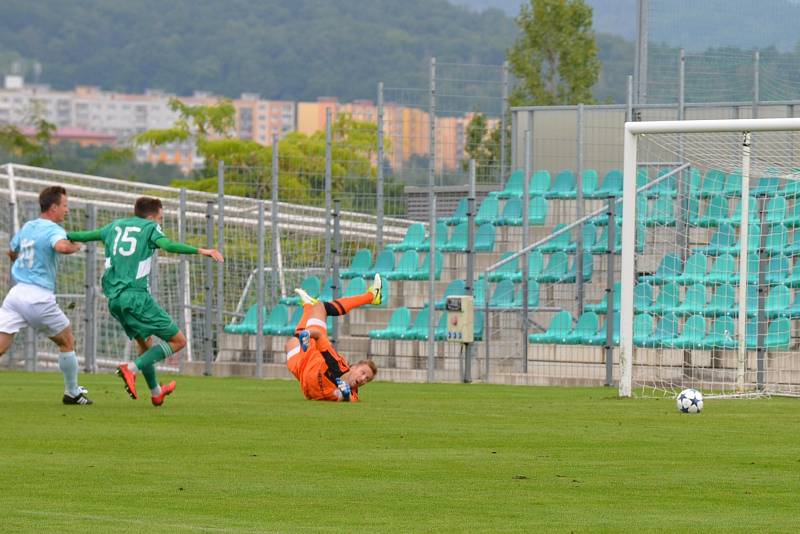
x: 37, y: 261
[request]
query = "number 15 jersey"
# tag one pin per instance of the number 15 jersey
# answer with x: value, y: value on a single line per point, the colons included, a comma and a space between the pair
x: 129, y: 245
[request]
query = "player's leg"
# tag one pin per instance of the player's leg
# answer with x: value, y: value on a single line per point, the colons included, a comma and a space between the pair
x: 148, y: 350
x: 10, y: 322
x: 68, y: 364
x: 5, y: 341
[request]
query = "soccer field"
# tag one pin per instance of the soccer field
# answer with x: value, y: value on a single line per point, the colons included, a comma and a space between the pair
x: 243, y: 455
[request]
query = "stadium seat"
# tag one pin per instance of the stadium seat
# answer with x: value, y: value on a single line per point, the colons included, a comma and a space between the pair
x: 642, y: 328
x: 793, y: 312
x: 406, y: 266
x: 563, y: 186
x: 753, y: 240
x: 484, y: 238
x: 415, y: 235
x: 792, y: 188
x: 793, y: 278
x: 601, y: 337
x: 669, y: 270
x: 441, y: 237
x: 668, y: 187
x: 488, y: 211
x: 419, y: 328
x: 778, y: 334
x: 458, y: 241
x: 533, y: 296
x: 694, y: 301
x: 668, y: 299
x: 398, y: 325
x: 642, y: 296
x: 248, y: 325
x: 512, y: 213
x: 733, y: 184
x: 665, y: 332
x: 277, y: 319
x: 767, y: 186
x: 716, y: 212
x: 793, y: 218
x: 601, y: 243
x: 661, y: 212
x: 509, y: 271
x: 694, y: 270
x: 557, y: 332
x: 555, y: 270
x: 721, y: 242
x: 326, y: 295
x: 356, y: 286
x: 585, y: 329
x: 713, y: 184
x: 459, y: 214
x: 588, y: 269
x: 692, y: 334
x: 539, y: 183
x: 723, y: 271
x: 793, y: 248
x: 560, y: 243
x: 611, y: 185
x: 535, y: 266
x: 503, y: 296
x: 589, y: 182
x: 384, y: 263
x: 778, y: 271
x: 736, y: 218
x: 775, y: 211
x: 310, y: 285
x: 455, y: 287
x: 589, y: 232
x: 289, y: 327
x: 776, y: 240
x: 440, y: 332
x: 359, y: 265
x: 514, y: 185
x: 721, y: 335
x: 537, y: 211
x: 641, y: 236
x: 601, y: 307
x: 479, y: 294
x: 423, y: 272
x: 723, y: 301
x: 778, y: 302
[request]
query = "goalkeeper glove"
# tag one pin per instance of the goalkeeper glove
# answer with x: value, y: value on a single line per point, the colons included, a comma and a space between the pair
x: 305, y: 339
x: 344, y: 387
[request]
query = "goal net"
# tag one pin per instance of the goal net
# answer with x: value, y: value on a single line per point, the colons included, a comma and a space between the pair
x: 713, y: 302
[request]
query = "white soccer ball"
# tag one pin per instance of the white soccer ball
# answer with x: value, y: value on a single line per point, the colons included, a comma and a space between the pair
x: 690, y: 401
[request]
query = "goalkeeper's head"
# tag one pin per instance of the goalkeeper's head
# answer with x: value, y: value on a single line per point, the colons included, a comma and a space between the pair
x: 360, y: 373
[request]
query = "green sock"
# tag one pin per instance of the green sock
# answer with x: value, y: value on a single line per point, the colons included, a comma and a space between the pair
x: 149, y: 372
x: 153, y: 355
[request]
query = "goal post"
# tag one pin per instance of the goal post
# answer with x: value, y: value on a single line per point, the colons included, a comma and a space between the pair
x: 723, y: 147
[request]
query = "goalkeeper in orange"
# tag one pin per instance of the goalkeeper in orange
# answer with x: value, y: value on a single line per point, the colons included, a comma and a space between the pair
x: 323, y: 373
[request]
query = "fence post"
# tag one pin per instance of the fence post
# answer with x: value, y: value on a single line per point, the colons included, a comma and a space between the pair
x: 431, y: 267
x: 90, y: 321
x: 525, y: 236
x: 579, y: 209
x: 337, y: 243
x: 220, y: 246
x: 328, y: 189
x: 612, y: 239
x: 273, y: 215
x: 431, y: 205
x: 184, y: 308
x: 208, y: 336
x: 756, y: 83
x: 12, y: 229
x: 260, y: 294
x: 503, y: 122
x: 379, y: 200
x: 470, y: 280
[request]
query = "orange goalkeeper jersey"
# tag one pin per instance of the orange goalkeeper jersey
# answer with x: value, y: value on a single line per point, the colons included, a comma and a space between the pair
x: 317, y: 371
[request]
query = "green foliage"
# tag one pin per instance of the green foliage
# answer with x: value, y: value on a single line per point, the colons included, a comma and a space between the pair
x: 483, y: 145
x: 555, y: 56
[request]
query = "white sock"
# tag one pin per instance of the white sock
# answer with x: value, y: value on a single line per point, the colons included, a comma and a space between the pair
x: 156, y: 391
x: 132, y: 367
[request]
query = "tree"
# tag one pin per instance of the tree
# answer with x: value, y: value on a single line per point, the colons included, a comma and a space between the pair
x: 555, y: 55
x: 483, y: 145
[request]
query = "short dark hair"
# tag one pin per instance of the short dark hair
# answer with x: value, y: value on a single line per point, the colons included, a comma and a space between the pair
x: 146, y: 206
x: 50, y: 196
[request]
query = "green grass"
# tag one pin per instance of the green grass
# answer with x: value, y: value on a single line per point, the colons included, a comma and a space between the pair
x: 241, y: 455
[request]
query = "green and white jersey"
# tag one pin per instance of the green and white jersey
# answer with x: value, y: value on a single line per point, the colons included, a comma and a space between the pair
x: 129, y: 245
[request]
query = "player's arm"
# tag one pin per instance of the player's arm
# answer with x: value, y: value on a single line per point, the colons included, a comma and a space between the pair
x: 66, y: 246
x: 84, y: 236
x: 13, y: 248
x: 182, y: 248
x: 13, y: 254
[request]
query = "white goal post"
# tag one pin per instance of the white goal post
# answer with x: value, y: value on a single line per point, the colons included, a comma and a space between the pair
x: 632, y: 135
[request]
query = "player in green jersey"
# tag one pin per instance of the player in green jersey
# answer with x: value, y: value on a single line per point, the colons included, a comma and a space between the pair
x: 129, y: 246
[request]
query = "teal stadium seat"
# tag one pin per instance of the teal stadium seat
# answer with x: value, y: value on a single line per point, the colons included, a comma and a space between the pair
x: 668, y: 187
x: 459, y: 214
x: 778, y: 271
x: 509, y: 271
x: 326, y: 295
x: 399, y: 323
x: 484, y: 238
x: 560, y: 243
x: 441, y: 237
x: 694, y: 301
x: 359, y: 265
x: 588, y: 269
x: 611, y: 185
x: 535, y: 266
x: 406, y: 266
x: 440, y: 332
x: 665, y: 332
x: 778, y: 302
x: 423, y: 272
x: 716, y: 212
x: 713, y: 183
x: 601, y: 307
x: 775, y: 212
x: 642, y: 297
x: 537, y: 211
x: 723, y: 270
x: 778, y: 334
x: 721, y: 334
x: 668, y: 299
x: 356, y: 286
x: 669, y: 270
x: 455, y: 287
x: 310, y: 285
x: 642, y: 328
x: 661, y: 212
x: 793, y: 218
x: 793, y: 248
x: 277, y: 319
x: 512, y: 213
x: 723, y: 301
x: 776, y: 240
x: 419, y: 328
x: 585, y: 329
x: 248, y: 324
x: 514, y: 186
x: 539, y: 183
x: 694, y: 270
x: 488, y: 211
x: 601, y: 337
x: 533, y: 296
x: 458, y: 239
x: 721, y: 242
x: 289, y: 327
x: 692, y: 334
x: 733, y: 184
x: 560, y: 327
x: 767, y: 186
x: 793, y: 312
x: 736, y: 218
x: 589, y: 182
x: 589, y: 232
x: 384, y: 263
x: 793, y: 278
x: 503, y: 296
x: 563, y: 186
x: 555, y: 270
x: 415, y: 235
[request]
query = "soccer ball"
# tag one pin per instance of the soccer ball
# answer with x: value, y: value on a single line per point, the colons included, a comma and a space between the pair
x: 690, y: 401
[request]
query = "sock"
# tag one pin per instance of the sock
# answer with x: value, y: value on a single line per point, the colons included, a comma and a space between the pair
x: 149, y: 373
x: 132, y: 367
x: 68, y: 363
x: 301, y: 324
x: 343, y: 305
x: 159, y: 351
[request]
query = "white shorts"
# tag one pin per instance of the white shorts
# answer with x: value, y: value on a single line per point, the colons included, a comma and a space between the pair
x: 34, y: 306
